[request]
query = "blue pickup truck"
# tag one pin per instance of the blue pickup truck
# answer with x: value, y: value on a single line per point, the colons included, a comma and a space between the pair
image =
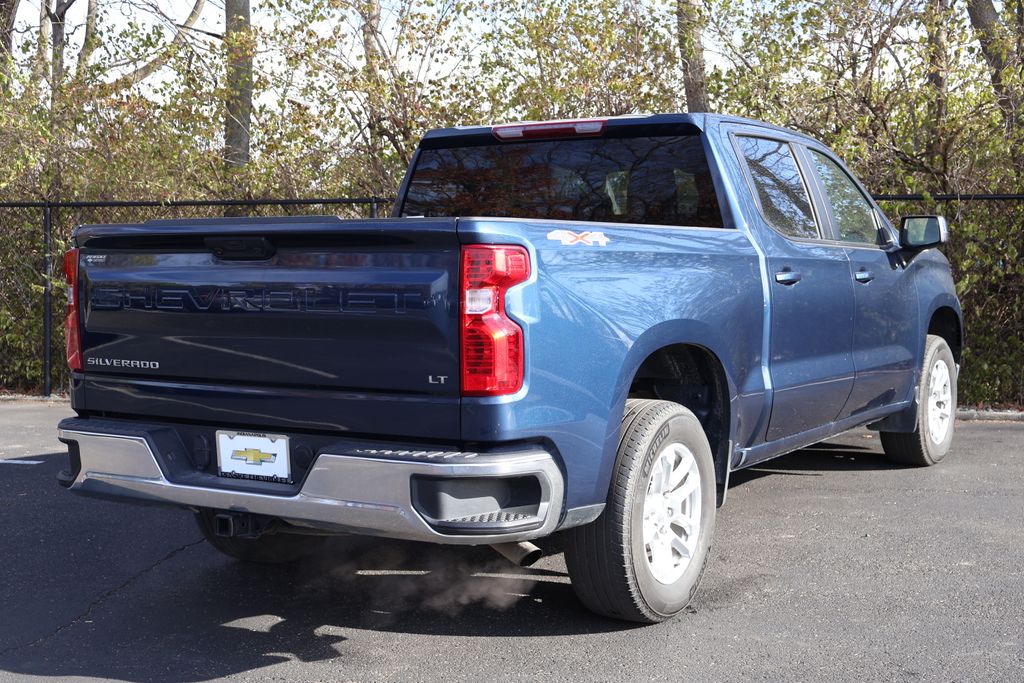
x: 575, y: 327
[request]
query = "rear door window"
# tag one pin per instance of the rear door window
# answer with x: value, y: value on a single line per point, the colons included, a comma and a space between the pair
x: 778, y: 186
x: 662, y: 180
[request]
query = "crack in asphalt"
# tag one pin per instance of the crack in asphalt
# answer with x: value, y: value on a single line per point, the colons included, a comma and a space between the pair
x: 102, y: 597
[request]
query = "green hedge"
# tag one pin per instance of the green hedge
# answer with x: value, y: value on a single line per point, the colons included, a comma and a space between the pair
x: 985, y: 252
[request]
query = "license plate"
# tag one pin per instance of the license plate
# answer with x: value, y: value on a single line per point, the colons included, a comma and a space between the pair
x: 251, y: 455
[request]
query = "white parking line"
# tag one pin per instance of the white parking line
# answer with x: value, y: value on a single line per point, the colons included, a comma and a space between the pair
x: 21, y: 462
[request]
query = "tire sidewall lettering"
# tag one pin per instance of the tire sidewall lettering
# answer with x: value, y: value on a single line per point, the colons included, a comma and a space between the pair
x: 669, y: 599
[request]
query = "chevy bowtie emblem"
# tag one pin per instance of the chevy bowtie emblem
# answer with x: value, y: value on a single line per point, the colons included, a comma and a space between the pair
x: 253, y: 456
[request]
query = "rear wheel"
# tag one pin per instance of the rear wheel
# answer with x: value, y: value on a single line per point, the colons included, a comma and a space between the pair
x: 643, y: 558
x: 936, y: 412
x: 270, y: 548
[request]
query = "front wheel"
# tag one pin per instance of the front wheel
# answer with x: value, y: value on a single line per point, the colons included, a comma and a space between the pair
x: 643, y: 558
x: 936, y: 411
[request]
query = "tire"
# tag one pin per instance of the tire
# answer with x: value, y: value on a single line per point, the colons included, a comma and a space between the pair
x: 270, y: 548
x: 617, y: 563
x: 936, y: 413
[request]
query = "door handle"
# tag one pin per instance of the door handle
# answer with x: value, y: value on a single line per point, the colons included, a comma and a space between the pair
x: 787, y: 277
x: 864, y: 276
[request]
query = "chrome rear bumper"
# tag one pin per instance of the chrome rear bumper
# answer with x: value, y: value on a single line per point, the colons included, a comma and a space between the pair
x: 365, y: 494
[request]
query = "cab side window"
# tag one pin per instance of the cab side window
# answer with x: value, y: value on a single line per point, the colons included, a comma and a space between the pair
x: 779, y: 186
x: 853, y: 214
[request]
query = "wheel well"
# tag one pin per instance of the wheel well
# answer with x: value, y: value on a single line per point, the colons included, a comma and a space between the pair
x: 946, y: 324
x: 694, y: 377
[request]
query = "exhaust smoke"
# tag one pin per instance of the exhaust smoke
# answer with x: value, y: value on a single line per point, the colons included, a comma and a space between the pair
x: 396, y: 577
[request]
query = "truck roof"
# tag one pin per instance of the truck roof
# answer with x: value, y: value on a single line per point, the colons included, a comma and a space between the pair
x: 698, y: 121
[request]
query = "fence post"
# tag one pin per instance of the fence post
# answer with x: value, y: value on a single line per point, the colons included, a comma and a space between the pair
x: 48, y: 300
x: 373, y: 207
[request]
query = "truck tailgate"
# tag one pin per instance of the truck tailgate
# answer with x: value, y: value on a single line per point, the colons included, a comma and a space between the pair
x: 358, y: 306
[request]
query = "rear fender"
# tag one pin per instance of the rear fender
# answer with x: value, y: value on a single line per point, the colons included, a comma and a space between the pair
x: 669, y: 333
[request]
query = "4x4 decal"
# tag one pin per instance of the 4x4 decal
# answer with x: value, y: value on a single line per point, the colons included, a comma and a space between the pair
x: 568, y: 238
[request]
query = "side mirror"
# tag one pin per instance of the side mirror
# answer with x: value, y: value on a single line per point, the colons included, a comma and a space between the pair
x: 922, y: 232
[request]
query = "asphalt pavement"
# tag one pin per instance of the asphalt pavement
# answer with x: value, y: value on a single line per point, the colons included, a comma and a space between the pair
x: 828, y: 564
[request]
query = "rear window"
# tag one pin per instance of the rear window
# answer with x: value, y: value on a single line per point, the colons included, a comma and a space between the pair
x: 662, y: 180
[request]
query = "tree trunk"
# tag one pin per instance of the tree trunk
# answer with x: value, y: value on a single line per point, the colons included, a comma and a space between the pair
x: 998, y: 49
x: 8, y: 11
x: 88, y: 40
x: 998, y: 44
x: 58, y: 124
x: 936, y: 16
x: 57, y: 42
x: 689, y: 23
x: 370, y: 17
x: 239, y: 83
x: 41, y: 63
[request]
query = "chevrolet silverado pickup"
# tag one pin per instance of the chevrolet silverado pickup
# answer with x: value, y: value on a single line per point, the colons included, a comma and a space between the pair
x: 574, y: 327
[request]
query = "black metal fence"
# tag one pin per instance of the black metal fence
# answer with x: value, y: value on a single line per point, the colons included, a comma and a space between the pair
x: 987, y: 256
x: 34, y: 236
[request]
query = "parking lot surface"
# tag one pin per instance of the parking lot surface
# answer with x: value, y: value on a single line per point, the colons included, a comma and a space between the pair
x: 828, y: 564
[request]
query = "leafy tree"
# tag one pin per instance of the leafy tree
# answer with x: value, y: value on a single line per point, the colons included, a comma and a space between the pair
x: 122, y: 100
x: 550, y: 59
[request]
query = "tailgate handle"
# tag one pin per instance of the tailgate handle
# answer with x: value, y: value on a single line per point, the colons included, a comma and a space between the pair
x: 240, y: 248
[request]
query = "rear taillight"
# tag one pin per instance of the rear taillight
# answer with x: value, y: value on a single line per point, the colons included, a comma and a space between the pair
x: 72, y: 329
x: 492, y: 343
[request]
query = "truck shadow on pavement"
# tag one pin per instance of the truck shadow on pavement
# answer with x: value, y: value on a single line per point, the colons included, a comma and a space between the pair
x: 193, y: 614
x: 817, y: 461
x: 204, y: 616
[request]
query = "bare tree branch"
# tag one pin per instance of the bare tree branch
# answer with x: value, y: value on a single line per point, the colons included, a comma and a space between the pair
x: 146, y: 70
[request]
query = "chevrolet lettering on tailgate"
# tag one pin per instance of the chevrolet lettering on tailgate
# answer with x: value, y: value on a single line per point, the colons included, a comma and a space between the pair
x: 319, y: 299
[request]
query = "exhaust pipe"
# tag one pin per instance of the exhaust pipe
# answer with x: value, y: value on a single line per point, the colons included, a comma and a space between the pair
x: 522, y: 554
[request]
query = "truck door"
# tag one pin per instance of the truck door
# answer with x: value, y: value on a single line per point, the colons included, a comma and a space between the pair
x: 811, y: 294
x: 885, y: 335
